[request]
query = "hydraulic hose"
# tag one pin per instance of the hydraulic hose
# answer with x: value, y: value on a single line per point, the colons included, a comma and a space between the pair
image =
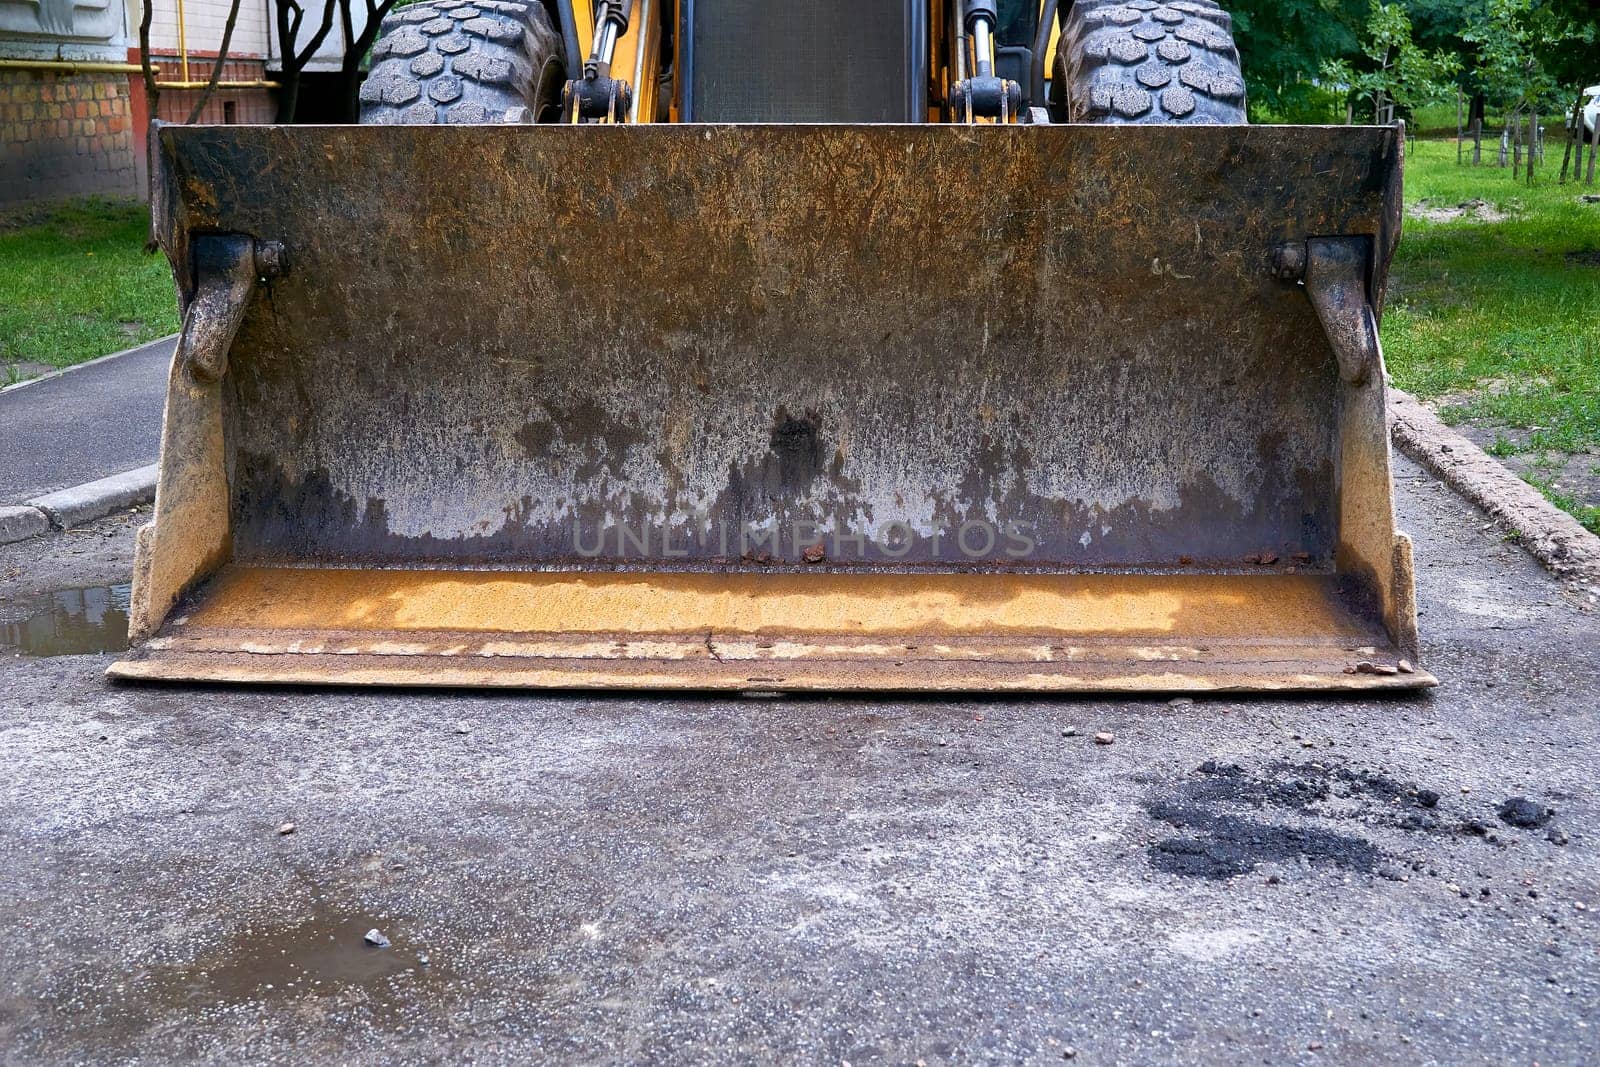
x: 1041, y: 47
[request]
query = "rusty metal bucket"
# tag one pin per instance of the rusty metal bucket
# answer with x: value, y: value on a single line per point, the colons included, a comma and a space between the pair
x: 778, y: 407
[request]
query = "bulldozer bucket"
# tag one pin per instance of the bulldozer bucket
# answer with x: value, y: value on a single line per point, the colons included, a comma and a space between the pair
x: 1021, y: 408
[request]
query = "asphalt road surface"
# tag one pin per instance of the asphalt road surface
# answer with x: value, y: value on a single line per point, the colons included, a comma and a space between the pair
x: 625, y: 879
x: 91, y: 422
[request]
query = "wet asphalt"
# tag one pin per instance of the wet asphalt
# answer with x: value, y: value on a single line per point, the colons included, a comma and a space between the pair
x: 93, y: 421
x: 624, y: 879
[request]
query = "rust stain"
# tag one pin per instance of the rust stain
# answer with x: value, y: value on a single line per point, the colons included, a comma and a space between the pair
x: 1182, y: 607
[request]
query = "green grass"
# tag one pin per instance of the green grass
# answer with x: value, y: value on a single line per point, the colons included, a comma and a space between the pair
x: 76, y: 283
x: 1439, y: 120
x: 1586, y: 514
x: 1494, y: 315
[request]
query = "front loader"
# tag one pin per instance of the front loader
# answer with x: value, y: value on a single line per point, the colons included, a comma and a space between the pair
x: 928, y: 345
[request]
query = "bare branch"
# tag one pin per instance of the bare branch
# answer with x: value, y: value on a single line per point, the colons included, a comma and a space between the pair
x: 152, y: 92
x: 321, y: 34
x: 295, y: 55
x: 216, y: 68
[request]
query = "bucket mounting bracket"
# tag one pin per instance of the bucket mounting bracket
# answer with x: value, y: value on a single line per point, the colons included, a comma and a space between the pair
x: 227, y: 268
x: 1337, y: 275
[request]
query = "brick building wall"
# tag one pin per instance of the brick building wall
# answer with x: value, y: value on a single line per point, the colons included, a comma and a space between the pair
x: 226, y: 105
x: 71, y: 134
x: 65, y: 135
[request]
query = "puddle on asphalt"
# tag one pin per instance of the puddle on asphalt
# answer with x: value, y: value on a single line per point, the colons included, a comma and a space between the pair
x: 69, y: 622
x: 296, y: 966
x: 322, y: 956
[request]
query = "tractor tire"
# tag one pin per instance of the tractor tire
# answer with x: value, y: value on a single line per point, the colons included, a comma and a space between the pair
x: 1139, y: 61
x: 465, y: 61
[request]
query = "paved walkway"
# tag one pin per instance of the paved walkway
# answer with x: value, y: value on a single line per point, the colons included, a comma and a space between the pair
x: 592, y: 878
x: 96, y: 420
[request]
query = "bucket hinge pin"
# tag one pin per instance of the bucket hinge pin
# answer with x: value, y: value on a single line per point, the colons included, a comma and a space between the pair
x: 984, y: 94
x: 597, y: 96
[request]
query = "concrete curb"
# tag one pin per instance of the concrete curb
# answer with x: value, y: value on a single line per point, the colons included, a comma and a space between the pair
x: 20, y: 521
x: 79, y: 504
x: 1553, y: 536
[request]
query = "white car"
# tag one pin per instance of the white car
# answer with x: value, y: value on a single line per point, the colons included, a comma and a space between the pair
x: 1591, y: 111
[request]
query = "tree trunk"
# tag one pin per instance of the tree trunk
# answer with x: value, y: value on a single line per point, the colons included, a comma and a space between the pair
x: 216, y: 68
x: 290, y: 15
x: 1476, y: 113
x: 355, y: 50
x: 349, y: 65
x: 288, y: 93
x: 349, y: 94
x: 152, y: 92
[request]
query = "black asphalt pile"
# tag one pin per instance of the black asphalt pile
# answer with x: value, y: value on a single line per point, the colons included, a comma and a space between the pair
x: 1235, y: 820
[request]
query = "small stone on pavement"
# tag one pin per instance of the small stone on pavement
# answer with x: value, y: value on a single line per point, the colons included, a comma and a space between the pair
x: 1525, y: 813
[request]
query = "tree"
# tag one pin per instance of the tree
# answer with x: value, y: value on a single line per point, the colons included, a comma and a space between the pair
x: 216, y: 68
x: 334, y: 99
x: 1438, y: 25
x: 1283, y: 44
x: 152, y: 91
x: 356, y: 47
x: 1572, y: 60
x: 1524, y: 46
x: 290, y: 20
x: 1395, y: 74
x: 1517, y: 42
x: 151, y: 76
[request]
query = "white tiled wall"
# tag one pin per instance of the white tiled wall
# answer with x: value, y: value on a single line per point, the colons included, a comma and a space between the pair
x: 203, y: 24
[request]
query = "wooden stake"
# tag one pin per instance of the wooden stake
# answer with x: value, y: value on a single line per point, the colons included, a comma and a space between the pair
x: 1460, y: 129
x: 1514, y: 127
x: 1533, y: 142
x: 1594, y: 146
x: 1574, y: 133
